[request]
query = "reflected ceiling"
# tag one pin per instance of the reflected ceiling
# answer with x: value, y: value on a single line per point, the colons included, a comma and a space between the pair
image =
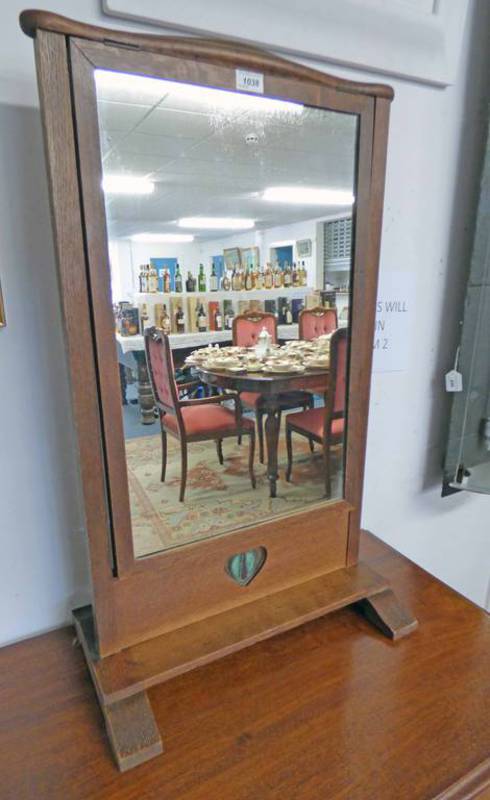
x: 212, y: 153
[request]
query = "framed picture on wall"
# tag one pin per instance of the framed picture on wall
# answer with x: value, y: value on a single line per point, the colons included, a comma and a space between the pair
x: 250, y: 256
x: 232, y: 258
x: 303, y: 248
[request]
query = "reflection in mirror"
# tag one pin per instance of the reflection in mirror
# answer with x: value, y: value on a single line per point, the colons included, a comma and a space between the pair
x: 229, y: 221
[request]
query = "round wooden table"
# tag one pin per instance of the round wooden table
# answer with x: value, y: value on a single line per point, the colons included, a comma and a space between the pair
x: 270, y: 386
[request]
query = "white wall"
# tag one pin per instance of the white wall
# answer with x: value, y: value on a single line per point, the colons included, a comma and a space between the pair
x: 435, y: 142
x: 126, y: 256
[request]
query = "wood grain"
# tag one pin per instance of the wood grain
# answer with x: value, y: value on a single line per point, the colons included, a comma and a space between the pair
x: 329, y: 711
x: 132, y: 732
x: 159, y: 659
x: 386, y: 613
x: 59, y: 142
x: 217, y: 50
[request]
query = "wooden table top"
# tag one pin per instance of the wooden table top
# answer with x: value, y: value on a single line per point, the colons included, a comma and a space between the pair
x: 271, y: 383
x: 329, y: 711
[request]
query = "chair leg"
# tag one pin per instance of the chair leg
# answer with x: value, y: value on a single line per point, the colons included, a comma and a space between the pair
x: 259, y: 414
x: 164, y: 455
x: 219, y: 450
x: 289, y: 445
x: 239, y: 438
x: 183, y: 475
x: 312, y: 445
x: 251, y: 453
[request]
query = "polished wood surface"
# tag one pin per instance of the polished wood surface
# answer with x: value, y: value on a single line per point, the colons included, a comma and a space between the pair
x: 328, y: 711
x: 121, y: 680
x: 164, y: 657
x: 220, y: 51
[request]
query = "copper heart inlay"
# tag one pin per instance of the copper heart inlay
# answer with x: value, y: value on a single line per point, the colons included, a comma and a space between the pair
x: 243, y: 567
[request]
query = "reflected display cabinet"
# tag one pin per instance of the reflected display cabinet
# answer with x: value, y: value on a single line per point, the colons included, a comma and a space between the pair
x: 200, y: 543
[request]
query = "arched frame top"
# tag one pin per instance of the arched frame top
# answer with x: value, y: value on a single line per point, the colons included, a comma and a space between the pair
x: 219, y: 51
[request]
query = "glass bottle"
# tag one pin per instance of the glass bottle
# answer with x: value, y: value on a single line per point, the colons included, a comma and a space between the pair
x: 235, y: 280
x: 226, y: 283
x: 142, y: 279
x: 189, y: 283
x: 218, y: 320
x: 178, y: 279
x: 201, y: 282
x: 143, y: 317
x: 201, y: 319
x: 180, y: 320
x: 165, y: 321
x: 295, y: 277
x: 259, y: 278
x: 268, y: 278
x: 288, y: 314
x: 153, y: 280
x: 304, y: 275
x: 287, y: 276
x: 248, y: 279
x: 278, y: 277
x: 229, y: 317
x: 166, y: 281
x: 213, y: 280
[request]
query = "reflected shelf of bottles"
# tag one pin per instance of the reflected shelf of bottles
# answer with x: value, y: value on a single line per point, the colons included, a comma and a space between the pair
x: 203, y: 304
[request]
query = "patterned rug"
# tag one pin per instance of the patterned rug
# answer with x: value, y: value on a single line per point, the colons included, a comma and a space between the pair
x: 218, y: 497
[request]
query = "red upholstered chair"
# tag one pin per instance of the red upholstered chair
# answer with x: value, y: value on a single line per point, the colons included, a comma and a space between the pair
x: 190, y: 420
x: 246, y: 329
x: 314, y: 322
x: 324, y: 425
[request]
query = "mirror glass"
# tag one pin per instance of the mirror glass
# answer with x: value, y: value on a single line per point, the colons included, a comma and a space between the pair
x: 229, y: 220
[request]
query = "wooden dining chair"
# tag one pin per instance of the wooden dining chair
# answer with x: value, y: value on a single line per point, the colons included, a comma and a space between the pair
x: 246, y: 330
x: 326, y: 424
x: 189, y: 421
x: 314, y: 322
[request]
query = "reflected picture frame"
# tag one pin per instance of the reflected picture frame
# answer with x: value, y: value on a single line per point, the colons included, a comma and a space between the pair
x: 250, y: 257
x: 303, y: 248
x: 232, y: 258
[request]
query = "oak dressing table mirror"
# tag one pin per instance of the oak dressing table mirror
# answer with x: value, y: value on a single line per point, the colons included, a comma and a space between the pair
x: 204, y: 195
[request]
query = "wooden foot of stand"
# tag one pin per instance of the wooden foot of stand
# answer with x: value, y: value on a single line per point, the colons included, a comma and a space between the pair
x: 387, y: 614
x: 130, y: 724
x: 121, y: 680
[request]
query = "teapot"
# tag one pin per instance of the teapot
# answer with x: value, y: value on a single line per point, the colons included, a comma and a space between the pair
x: 264, y: 342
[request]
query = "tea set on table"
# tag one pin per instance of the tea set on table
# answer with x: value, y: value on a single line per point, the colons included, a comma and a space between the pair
x: 293, y: 357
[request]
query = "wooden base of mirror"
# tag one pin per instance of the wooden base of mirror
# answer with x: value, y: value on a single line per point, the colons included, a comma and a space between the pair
x: 121, y: 680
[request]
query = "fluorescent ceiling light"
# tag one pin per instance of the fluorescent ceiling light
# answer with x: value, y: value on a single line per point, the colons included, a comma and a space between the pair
x: 217, y: 99
x: 162, y: 237
x: 220, y: 223
x: 308, y: 196
x: 127, y: 184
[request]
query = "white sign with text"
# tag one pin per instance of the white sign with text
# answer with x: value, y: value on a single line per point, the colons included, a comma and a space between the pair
x: 249, y: 81
x: 394, y: 318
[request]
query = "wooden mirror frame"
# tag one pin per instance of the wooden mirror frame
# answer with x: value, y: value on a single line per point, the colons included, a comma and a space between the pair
x: 155, y: 617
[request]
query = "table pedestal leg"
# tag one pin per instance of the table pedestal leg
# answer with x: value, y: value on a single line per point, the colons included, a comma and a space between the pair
x: 145, y: 394
x: 272, y: 425
x: 122, y: 378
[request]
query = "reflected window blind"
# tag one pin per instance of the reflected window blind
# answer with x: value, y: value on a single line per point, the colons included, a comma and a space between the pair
x: 337, y: 243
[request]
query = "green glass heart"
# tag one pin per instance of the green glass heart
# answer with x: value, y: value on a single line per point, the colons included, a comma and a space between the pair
x: 243, y: 567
